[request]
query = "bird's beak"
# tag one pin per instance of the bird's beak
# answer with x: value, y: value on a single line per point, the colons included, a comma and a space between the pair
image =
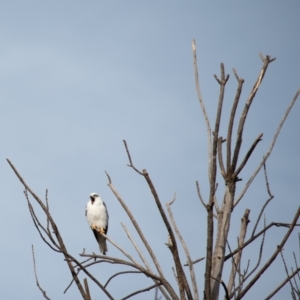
x: 92, y: 199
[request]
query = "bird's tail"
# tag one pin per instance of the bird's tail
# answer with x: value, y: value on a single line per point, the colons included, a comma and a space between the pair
x: 102, y: 245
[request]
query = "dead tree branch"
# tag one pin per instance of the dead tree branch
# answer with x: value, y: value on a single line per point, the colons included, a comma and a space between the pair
x: 208, y: 128
x: 272, y: 258
x: 237, y: 259
x: 250, y: 240
x: 140, y: 291
x: 272, y: 294
x: 266, y: 156
x: 36, y: 277
x: 266, y: 203
x: 144, y: 240
x: 288, y: 275
x: 231, y: 119
x: 182, y: 281
x: 185, y: 248
x: 266, y: 61
x: 60, y: 241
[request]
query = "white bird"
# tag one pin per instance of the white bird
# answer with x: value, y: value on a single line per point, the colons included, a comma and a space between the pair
x: 97, y: 217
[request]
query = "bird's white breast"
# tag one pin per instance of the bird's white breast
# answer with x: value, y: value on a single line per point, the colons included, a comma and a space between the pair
x: 97, y: 214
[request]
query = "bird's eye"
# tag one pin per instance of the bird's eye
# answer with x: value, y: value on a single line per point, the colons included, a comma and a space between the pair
x: 95, y: 195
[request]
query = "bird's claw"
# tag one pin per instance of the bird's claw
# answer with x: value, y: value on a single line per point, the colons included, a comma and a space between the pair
x: 101, y: 231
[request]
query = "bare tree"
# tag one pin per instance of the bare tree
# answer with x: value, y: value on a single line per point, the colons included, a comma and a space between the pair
x: 219, y: 217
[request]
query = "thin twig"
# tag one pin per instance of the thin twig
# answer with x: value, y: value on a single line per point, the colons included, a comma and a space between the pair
x: 121, y: 249
x: 266, y: 61
x: 183, y: 283
x: 231, y: 119
x: 69, y: 258
x: 260, y: 254
x: 208, y: 129
x: 266, y: 156
x: 139, y: 231
x: 250, y: 240
x: 272, y: 258
x: 36, y: 277
x: 195, y: 261
x: 288, y: 275
x: 220, y: 157
x: 135, y: 224
x: 224, y: 286
x: 147, y: 289
x: 202, y: 201
x: 86, y: 286
x: 161, y: 288
x: 237, y: 259
x: 272, y: 294
x: 266, y: 203
x: 185, y: 248
x: 120, y: 273
x: 247, y: 156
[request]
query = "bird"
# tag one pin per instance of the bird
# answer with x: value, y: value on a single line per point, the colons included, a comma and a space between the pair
x: 97, y: 218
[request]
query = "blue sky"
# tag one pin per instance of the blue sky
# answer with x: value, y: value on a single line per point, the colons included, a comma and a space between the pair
x: 76, y: 78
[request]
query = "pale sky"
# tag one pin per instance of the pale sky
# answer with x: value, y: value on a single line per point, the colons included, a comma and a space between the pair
x: 78, y: 77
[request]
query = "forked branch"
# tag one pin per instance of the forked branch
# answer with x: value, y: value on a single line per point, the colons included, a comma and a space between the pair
x: 182, y: 281
x: 272, y: 258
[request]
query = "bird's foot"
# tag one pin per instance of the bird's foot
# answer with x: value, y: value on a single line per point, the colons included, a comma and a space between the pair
x: 94, y: 227
x: 101, y: 231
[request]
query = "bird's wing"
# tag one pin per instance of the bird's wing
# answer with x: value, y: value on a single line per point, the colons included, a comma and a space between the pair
x: 106, y: 228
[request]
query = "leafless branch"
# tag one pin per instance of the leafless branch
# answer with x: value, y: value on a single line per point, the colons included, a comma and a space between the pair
x: 296, y: 264
x: 121, y: 250
x: 139, y: 231
x: 272, y: 258
x: 69, y: 259
x: 266, y: 61
x: 243, y: 163
x: 135, y: 224
x: 237, y: 259
x: 161, y: 288
x: 208, y: 129
x: 272, y: 294
x: 266, y: 156
x: 185, y: 248
x: 140, y: 291
x: 231, y: 119
x: 183, y: 283
x: 87, y: 290
x: 120, y: 273
x: 36, y: 277
x: 195, y: 261
x: 224, y: 286
x: 136, y: 247
x: 250, y: 240
x: 259, y: 255
x: 38, y: 225
x: 210, y: 257
x: 266, y: 203
x: 288, y: 275
x: 220, y: 157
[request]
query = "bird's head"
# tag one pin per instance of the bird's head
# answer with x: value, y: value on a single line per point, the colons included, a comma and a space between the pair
x: 93, y: 197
